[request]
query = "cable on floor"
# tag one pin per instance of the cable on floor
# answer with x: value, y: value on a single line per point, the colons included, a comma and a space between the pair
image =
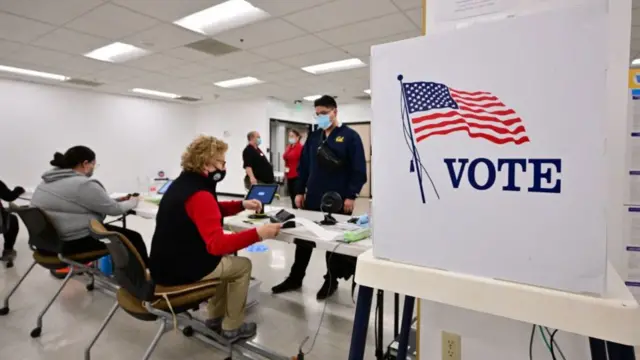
x: 553, y: 334
x: 533, y: 332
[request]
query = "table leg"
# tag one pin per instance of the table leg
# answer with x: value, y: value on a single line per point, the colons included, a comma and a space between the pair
x: 396, y: 315
x: 361, y: 323
x: 605, y: 350
x: 380, y: 326
x: 405, y: 329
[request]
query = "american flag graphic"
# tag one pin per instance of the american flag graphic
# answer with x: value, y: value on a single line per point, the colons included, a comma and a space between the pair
x: 436, y: 109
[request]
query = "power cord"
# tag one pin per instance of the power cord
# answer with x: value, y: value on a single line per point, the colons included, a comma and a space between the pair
x: 301, y: 353
x: 533, y: 332
x: 553, y: 334
x: 554, y: 343
x: 551, y: 344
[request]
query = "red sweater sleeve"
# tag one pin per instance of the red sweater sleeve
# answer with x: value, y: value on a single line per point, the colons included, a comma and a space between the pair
x: 203, y: 210
x: 230, y: 208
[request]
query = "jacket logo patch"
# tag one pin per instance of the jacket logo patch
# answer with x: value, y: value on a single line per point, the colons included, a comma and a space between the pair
x: 340, y: 139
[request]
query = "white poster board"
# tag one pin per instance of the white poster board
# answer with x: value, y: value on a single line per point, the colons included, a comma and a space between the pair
x: 508, y: 127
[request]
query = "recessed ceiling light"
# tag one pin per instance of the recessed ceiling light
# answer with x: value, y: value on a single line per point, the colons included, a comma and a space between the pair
x: 117, y: 52
x: 334, y: 66
x: 228, y: 15
x: 155, y: 93
x: 368, y: 91
x: 635, y: 62
x: 233, y: 83
x: 312, y: 97
x: 40, y: 74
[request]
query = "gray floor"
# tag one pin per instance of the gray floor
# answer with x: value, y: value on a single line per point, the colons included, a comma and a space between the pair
x: 283, y: 320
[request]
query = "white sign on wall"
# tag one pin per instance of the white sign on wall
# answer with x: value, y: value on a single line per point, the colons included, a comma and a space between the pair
x: 493, y: 141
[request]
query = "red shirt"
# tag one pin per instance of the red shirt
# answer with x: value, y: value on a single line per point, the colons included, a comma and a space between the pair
x: 291, y: 159
x: 203, y: 210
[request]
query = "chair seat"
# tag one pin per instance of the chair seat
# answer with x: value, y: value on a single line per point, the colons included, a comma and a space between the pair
x: 178, y: 289
x: 53, y: 262
x: 188, y: 297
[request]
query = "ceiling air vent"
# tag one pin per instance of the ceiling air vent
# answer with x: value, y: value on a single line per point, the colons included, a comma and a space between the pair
x: 212, y: 47
x: 188, y: 98
x: 83, y: 82
x: 363, y: 97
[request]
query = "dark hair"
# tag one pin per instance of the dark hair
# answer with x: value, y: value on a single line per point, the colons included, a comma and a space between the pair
x: 326, y: 101
x: 250, y: 135
x: 73, y: 157
x: 295, y: 132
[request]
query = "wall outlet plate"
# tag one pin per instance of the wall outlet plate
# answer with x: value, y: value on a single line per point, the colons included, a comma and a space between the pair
x: 451, y: 346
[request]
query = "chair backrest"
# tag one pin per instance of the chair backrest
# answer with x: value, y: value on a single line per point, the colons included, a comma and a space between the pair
x: 129, y: 268
x: 42, y: 234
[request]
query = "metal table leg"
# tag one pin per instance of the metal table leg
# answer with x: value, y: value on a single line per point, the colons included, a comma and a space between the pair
x: 361, y: 323
x: 605, y: 350
x: 396, y: 315
x: 405, y: 329
x: 380, y: 325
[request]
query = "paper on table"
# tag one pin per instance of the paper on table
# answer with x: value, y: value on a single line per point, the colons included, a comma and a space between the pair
x: 316, y: 229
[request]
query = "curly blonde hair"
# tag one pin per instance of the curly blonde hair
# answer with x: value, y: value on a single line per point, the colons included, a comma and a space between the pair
x: 201, y: 152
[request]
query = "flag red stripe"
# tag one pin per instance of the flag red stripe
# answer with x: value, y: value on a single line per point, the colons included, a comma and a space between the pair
x: 480, y: 111
x: 493, y: 139
x: 469, y: 93
x: 487, y: 105
x: 499, y: 130
x: 481, y: 98
x: 454, y: 113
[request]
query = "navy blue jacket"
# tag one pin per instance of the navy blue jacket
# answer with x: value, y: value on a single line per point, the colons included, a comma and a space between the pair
x: 316, y: 181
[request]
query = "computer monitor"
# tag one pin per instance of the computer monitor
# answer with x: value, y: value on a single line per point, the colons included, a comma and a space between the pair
x: 165, y: 187
x: 263, y: 192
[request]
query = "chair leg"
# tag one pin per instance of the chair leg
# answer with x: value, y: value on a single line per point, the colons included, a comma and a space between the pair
x: 38, y: 329
x: 155, y: 341
x: 87, y: 351
x: 5, y: 305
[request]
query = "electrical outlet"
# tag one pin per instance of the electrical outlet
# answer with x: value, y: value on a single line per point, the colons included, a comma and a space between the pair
x: 451, y: 346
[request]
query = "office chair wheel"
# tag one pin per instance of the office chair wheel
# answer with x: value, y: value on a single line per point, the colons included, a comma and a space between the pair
x: 187, y: 331
x: 90, y: 287
x: 36, y: 332
x: 4, y: 311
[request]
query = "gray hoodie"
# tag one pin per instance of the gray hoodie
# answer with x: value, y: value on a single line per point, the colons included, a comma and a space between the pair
x: 71, y: 200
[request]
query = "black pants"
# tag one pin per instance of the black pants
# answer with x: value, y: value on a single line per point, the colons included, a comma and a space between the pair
x: 291, y: 187
x: 11, y: 231
x: 90, y: 244
x: 339, y: 266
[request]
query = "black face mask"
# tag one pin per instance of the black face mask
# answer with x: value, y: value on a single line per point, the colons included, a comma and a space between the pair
x: 217, y: 175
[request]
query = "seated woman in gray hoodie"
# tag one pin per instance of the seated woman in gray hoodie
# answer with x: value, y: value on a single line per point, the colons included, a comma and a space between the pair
x: 70, y: 198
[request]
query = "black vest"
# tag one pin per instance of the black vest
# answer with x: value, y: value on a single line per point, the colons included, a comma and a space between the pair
x: 178, y: 252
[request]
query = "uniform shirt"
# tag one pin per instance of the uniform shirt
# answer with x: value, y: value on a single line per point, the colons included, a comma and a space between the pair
x: 315, y: 181
x: 254, y: 158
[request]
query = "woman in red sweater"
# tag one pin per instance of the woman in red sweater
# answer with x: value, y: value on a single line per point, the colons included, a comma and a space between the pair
x: 189, y: 243
x: 291, y: 159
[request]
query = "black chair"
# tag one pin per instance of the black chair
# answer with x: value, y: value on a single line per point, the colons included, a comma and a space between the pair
x: 141, y: 298
x: 44, y: 240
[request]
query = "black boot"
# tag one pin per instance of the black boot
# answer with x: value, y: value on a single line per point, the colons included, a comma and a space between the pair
x: 289, y: 284
x: 328, y: 288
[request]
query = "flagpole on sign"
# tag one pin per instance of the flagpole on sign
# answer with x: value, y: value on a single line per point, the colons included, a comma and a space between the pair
x: 415, y: 162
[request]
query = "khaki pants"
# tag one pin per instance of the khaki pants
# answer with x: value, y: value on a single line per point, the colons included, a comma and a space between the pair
x: 231, y: 295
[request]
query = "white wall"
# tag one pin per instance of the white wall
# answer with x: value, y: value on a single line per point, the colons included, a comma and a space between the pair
x: 132, y: 137
x: 347, y: 113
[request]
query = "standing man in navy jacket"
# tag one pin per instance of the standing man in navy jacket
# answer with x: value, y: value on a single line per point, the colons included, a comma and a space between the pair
x: 316, y: 177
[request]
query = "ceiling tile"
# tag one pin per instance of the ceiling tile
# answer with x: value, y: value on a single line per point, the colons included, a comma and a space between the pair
x: 339, y: 76
x: 155, y: 62
x: 9, y: 47
x: 259, y: 34
x: 119, y: 73
x: 371, y: 29
x: 316, y: 57
x: 112, y: 22
x: 283, y: 7
x: 20, y: 29
x: 294, y: 74
x: 340, y: 12
x: 52, y: 12
x: 292, y: 47
x: 70, y: 42
x: 163, y: 37
x: 167, y: 10
x: 415, y: 15
x: 187, y: 70
x: 215, y: 76
x: 35, y: 55
x: 364, y: 48
x: 187, y: 54
x: 233, y: 60
x: 264, y: 68
x: 84, y: 65
x: 408, y: 4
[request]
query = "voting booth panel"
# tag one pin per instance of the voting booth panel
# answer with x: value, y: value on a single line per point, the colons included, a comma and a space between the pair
x: 493, y: 141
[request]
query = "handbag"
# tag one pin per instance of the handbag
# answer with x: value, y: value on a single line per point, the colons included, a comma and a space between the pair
x: 327, y: 158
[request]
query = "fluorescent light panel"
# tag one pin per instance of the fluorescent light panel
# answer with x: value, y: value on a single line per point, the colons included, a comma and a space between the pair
x: 228, y: 15
x: 155, y: 93
x: 27, y: 72
x: 368, y: 91
x: 312, y: 97
x: 117, y: 52
x: 635, y: 62
x: 334, y: 66
x: 239, y: 82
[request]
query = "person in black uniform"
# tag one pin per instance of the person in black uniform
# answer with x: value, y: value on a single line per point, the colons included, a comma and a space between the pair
x: 9, y: 225
x: 255, y: 163
x: 316, y: 177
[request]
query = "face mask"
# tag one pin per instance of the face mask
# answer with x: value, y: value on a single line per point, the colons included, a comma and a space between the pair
x: 217, y: 175
x: 292, y: 141
x: 259, y: 142
x: 323, y: 121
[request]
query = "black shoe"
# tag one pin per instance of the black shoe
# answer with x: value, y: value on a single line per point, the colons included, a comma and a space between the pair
x: 8, y: 255
x: 328, y: 288
x: 214, y: 324
x: 287, y: 285
x: 245, y: 331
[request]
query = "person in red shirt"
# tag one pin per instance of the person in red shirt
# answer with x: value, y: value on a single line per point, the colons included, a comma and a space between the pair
x: 291, y: 159
x: 189, y: 243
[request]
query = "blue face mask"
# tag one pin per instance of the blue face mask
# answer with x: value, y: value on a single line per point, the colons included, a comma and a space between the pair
x: 292, y: 141
x: 323, y: 121
x: 259, y: 141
